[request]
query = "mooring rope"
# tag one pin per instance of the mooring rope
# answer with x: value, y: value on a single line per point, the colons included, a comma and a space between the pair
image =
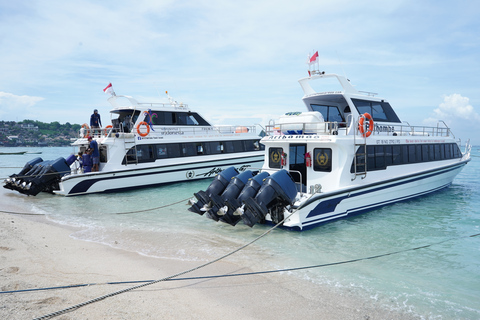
x: 57, y: 313
x: 161, y: 207
x: 245, y: 273
x: 127, y: 212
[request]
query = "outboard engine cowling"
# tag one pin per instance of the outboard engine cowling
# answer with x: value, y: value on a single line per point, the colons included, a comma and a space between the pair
x: 277, y: 191
x: 219, y: 184
x: 10, y: 181
x: 42, y: 176
x: 232, y: 191
x: 229, y: 213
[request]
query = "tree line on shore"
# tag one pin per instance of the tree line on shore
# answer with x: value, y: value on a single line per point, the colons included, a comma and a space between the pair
x: 37, y: 133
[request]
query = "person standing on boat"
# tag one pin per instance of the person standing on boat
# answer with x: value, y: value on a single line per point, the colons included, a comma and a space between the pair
x: 95, y: 122
x: 87, y: 160
x: 95, y: 154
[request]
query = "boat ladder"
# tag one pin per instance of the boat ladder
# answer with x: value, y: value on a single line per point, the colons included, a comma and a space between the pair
x: 131, y: 152
x: 360, y: 151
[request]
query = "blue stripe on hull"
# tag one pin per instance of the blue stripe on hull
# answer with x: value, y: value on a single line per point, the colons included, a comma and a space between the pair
x: 332, y: 203
x: 83, y: 186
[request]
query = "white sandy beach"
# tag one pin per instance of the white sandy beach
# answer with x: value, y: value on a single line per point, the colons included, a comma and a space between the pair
x: 34, y: 253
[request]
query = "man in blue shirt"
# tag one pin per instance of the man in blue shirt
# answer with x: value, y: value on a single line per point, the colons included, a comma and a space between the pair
x: 95, y: 154
x: 95, y: 122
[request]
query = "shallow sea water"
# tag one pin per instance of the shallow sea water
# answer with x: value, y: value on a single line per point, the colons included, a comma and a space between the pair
x: 441, y: 281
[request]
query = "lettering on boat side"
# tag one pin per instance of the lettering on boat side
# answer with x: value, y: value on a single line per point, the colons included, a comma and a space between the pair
x: 379, y: 128
x: 307, y: 136
x: 388, y: 141
x: 170, y: 131
x: 215, y: 171
x: 424, y: 141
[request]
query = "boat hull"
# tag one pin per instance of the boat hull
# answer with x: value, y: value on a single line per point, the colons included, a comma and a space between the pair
x: 134, y: 177
x: 327, y: 207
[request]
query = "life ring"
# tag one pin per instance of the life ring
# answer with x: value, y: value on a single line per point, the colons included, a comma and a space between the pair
x: 370, y: 127
x: 86, y: 129
x: 106, y: 129
x: 141, y: 134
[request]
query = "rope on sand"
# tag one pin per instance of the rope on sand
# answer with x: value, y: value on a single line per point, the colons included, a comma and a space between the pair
x: 57, y: 313
x: 245, y: 273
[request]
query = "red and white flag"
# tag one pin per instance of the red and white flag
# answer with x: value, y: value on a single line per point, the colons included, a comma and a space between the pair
x: 109, y: 89
x: 314, y: 58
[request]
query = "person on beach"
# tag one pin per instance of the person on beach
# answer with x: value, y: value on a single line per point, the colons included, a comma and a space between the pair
x: 95, y: 154
x: 95, y: 122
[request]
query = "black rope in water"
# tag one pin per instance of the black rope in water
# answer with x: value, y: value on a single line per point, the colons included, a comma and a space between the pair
x: 156, y: 208
x: 128, y: 212
x: 246, y: 273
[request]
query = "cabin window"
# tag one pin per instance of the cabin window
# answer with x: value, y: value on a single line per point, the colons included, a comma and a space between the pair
x: 322, y: 159
x: 274, y: 157
x: 200, y: 149
x: 412, y: 158
x: 174, y: 150
x: 329, y: 113
x: 388, y: 156
x: 228, y: 147
x: 380, y: 157
x: 145, y: 153
x: 161, y: 151
x: 250, y: 145
x: 213, y: 147
x: 379, y: 110
x: 189, y: 149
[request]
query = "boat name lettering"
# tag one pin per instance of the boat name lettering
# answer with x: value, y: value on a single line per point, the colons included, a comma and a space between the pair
x: 384, y: 128
x: 212, y: 172
x: 294, y: 137
x: 215, y: 171
x: 388, y: 141
x: 168, y: 131
x: 207, y: 129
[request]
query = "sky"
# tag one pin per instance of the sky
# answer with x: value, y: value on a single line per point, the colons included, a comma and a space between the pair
x: 239, y: 62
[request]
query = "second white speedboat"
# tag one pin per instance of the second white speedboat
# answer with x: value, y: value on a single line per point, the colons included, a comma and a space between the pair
x: 147, y: 144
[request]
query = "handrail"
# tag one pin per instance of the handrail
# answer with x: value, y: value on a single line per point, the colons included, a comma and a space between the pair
x: 332, y: 128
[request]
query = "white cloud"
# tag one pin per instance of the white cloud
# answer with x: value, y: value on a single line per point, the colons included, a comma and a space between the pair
x: 12, y: 105
x: 455, y: 107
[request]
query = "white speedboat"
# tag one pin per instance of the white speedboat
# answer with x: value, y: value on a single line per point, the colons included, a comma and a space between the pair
x: 147, y: 144
x: 347, y: 154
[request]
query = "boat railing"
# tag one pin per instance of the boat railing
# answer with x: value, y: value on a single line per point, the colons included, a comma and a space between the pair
x: 180, y: 106
x: 344, y: 128
x: 119, y: 128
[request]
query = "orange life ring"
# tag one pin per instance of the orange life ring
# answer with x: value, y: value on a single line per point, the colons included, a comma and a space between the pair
x: 370, y: 127
x: 86, y: 133
x: 106, y: 129
x: 138, y: 129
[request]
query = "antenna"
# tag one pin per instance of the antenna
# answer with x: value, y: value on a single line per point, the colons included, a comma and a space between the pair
x: 341, y: 64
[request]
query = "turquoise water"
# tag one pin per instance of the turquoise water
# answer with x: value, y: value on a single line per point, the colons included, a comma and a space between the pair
x: 441, y: 281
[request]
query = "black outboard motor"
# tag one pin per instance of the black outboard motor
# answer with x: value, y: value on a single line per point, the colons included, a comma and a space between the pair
x: 229, y: 213
x: 43, y: 176
x: 277, y: 191
x: 231, y: 191
x: 219, y: 184
x: 16, y: 179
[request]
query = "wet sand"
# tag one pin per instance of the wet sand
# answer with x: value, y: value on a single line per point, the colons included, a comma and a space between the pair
x: 35, y: 253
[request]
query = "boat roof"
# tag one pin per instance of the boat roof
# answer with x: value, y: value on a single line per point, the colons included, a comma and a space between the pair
x: 348, y: 88
x: 133, y: 105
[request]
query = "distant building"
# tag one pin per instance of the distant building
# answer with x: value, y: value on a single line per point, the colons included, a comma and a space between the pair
x: 29, y: 126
